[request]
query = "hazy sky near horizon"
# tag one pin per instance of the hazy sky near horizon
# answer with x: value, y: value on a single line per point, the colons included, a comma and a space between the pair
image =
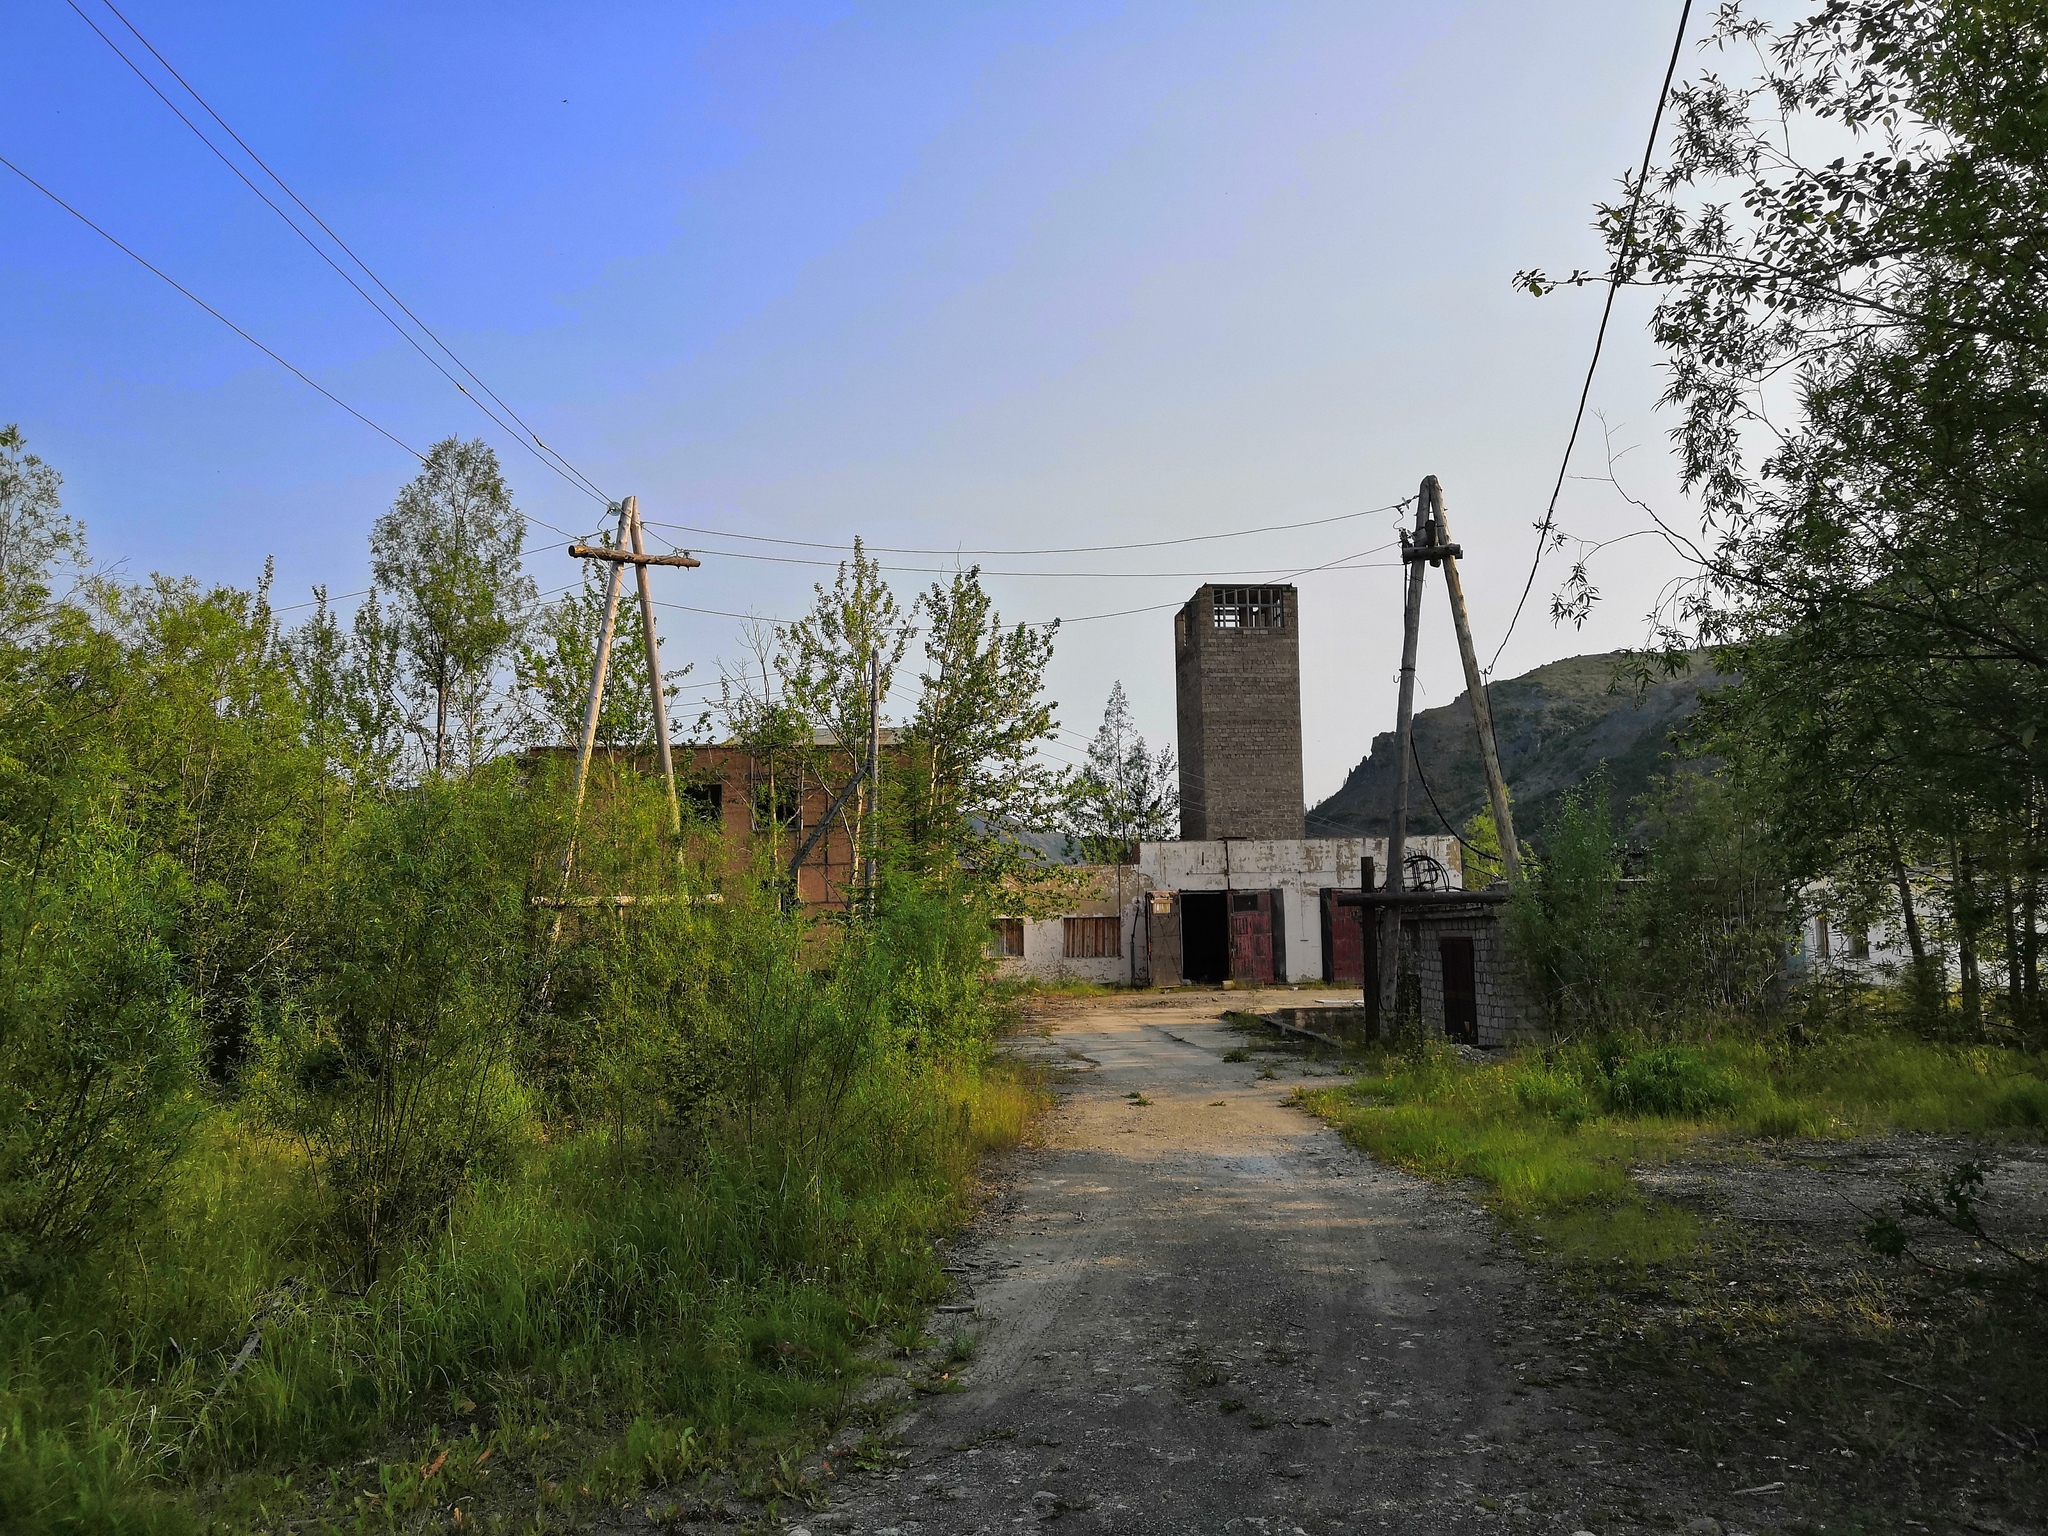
x: 949, y: 277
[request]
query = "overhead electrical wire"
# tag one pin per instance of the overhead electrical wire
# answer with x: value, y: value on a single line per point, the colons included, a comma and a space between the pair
x: 523, y: 434
x: 289, y: 367
x: 1600, y: 337
x: 296, y: 372
x: 941, y: 570
x: 1071, y: 549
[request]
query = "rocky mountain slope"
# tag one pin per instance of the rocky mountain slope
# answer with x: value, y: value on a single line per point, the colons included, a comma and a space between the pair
x: 1557, y: 726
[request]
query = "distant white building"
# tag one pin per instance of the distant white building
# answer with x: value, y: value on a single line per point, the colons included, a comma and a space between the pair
x: 1831, y: 943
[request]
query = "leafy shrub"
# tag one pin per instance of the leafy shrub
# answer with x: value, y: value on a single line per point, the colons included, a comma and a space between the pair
x: 395, y: 1067
x: 1668, y: 1080
x: 1697, y: 934
x: 96, y: 1042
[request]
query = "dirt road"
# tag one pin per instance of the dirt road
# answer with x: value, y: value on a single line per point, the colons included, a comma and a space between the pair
x: 1197, y: 1310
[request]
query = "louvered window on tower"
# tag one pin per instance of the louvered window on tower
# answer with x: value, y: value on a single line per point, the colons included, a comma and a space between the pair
x: 1250, y: 607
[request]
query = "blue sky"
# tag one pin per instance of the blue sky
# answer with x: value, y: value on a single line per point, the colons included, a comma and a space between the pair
x: 948, y: 277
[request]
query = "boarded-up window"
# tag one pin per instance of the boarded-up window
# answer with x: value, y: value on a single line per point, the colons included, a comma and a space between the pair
x: 1006, y: 938
x: 1094, y: 938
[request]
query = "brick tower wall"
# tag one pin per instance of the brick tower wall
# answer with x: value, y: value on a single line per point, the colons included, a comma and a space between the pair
x: 1238, y: 689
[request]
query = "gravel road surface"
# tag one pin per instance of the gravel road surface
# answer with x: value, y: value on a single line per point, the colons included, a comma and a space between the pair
x: 1195, y: 1309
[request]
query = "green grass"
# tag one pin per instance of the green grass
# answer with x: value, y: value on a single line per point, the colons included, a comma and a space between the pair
x: 602, y: 1320
x: 1020, y: 987
x: 1551, y: 1134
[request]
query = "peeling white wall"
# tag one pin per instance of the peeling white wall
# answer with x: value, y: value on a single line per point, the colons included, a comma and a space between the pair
x: 1299, y: 868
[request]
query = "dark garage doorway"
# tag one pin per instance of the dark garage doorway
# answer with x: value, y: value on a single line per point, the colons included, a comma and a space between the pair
x: 1205, y: 937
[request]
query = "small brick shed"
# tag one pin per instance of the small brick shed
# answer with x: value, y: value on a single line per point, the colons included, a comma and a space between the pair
x: 1453, y: 944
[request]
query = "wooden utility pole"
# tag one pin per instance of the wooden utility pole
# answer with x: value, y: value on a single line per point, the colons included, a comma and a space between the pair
x: 873, y: 819
x: 1431, y: 544
x: 629, y: 550
x: 1475, y: 690
x: 1404, y: 728
x: 594, y: 702
x: 654, y: 688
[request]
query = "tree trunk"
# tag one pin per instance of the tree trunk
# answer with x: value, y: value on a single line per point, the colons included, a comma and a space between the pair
x: 2015, y: 991
x: 440, y: 717
x: 1924, y: 990
x: 1964, y: 901
x: 2030, y: 943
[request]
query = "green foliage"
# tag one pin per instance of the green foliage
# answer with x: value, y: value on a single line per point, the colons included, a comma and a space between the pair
x: 627, y: 1183
x: 1700, y: 933
x: 34, y: 537
x: 1668, y: 1080
x: 96, y: 1035
x: 1552, y: 1133
x: 393, y: 1064
x: 554, y: 660
x: 1872, y: 565
x: 1567, y: 923
x: 971, y: 778
x: 1125, y: 793
x: 446, y: 560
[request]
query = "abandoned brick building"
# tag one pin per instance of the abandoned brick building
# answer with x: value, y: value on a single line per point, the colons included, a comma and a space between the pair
x: 1243, y: 897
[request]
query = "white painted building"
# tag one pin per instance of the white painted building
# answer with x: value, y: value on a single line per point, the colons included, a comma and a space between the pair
x: 1293, y: 875
x: 1104, y: 933
x: 1097, y: 936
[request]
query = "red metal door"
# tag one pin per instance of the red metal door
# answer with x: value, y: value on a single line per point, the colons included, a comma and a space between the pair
x: 1251, y: 938
x: 1346, y: 927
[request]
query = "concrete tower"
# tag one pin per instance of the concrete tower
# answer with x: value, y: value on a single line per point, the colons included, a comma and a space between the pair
x: 1237, y: 677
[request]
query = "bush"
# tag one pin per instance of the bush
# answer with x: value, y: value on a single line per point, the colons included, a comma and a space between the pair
x: 1698, y: 935
x: 1669, y: 1080
x: 394, y: 1069
x: 96, y: 1040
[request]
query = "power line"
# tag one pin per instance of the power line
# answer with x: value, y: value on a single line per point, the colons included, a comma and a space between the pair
x: 540, y: 450
x: 297, y: 373
x: 1613, y: 287
x: 940, y: 570
x: 1072, y: 549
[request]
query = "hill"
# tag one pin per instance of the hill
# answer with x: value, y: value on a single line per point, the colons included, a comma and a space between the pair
x: 1556, y: 727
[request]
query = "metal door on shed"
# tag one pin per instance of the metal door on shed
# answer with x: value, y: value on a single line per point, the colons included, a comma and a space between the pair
x: 1162, y: 918
x: 1461, y: 991
x: 1343, y: 942
x: 1251, y: 938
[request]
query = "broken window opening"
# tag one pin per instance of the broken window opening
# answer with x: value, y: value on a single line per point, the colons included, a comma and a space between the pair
x: 1250, y: 607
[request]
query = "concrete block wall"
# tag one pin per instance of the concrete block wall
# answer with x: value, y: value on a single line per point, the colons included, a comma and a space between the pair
x: 1506, y: 1016
x: 1238, y: 702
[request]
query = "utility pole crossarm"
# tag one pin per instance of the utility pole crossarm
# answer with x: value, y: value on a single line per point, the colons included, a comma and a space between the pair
x: 629, y: 556
x: 1433, y: 553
